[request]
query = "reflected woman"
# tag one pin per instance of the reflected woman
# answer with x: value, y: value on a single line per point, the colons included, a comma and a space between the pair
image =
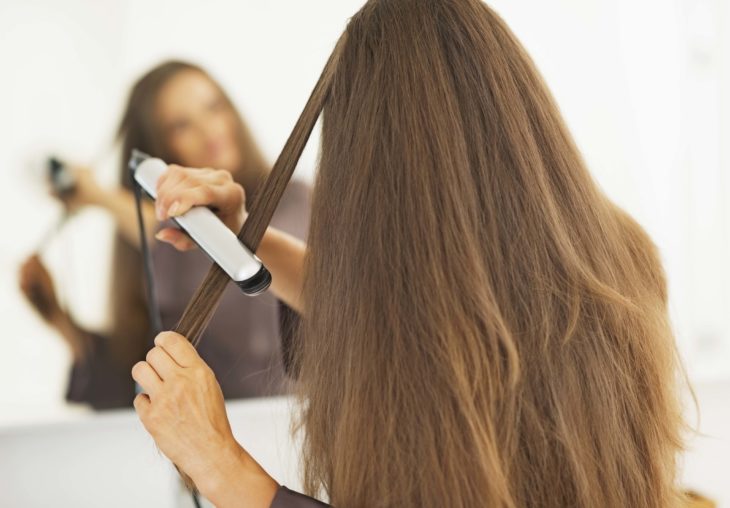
x: 179, y: 113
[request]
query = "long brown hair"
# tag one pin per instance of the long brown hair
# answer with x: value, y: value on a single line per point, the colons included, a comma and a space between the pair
x: 483, y: 327
x: 140, y: 128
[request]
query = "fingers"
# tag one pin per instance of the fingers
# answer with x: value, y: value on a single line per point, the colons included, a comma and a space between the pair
x: 173, y: 173
x: 147, y: 378
x: 161, y: 362
x: 180, y: 189
x: 177, y: 200
x: 178, y: 239
x: 175, y: 180
x: 187, y: 416
x: 170, y: 179
x: 179, y: 349
x: 172, y: 351
x: 142, y: 405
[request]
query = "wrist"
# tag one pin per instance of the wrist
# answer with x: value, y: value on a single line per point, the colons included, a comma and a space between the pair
x: 237, y: 480
x: 76, y: 338
x: 96, y: 196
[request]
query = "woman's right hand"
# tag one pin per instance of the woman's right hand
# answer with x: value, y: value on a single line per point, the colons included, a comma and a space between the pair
x: 179, y: 189
x: 37, y: 286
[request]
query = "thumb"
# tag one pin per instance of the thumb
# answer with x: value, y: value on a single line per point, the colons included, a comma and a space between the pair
x: 178, y: 239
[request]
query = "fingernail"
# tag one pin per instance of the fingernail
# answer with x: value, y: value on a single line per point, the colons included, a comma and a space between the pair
x: 161, y: 235
x: 172, y: 211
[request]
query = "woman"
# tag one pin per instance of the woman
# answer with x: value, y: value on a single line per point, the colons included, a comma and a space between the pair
x: 178, y: 112
x: 481, y: 325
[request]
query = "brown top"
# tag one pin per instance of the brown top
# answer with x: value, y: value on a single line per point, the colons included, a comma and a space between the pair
x: 242, y: 342
x: 286, y: 498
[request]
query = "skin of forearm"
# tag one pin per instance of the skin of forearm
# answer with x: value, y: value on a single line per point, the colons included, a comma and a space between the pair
x: 238, y: 481
x: 283, y: 256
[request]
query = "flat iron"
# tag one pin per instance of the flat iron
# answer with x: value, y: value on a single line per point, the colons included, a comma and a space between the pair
x: 207, y: 230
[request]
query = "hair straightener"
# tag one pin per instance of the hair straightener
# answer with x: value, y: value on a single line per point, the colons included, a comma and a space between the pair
x: 63, y: 185
x: 60, y: 178
x: 207, y: 230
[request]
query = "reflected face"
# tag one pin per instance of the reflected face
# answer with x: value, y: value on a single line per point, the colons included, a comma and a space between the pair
x: 199, y: 127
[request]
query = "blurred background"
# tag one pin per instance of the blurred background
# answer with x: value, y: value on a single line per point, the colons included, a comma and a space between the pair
x: 643, y: 85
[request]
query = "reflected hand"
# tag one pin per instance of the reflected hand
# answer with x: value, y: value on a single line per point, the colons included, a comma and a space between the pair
x: 37, y: 286
x: 86, y: 191
x: 179, y: 189
x: 183, y: 409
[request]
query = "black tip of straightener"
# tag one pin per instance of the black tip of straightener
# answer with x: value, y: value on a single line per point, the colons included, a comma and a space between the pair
x: 136, y: 158
x: 257, y: 284
x: 54, y: 165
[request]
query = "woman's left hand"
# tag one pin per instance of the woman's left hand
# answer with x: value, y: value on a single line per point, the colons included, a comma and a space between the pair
x: 183, y: 409
x: 37, y: 286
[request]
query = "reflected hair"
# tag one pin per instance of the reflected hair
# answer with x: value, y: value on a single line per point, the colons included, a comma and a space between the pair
x: 482, y: 325
x: 140, y: 128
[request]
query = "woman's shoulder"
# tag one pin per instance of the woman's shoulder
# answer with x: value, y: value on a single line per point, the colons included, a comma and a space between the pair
x: 286, y: 498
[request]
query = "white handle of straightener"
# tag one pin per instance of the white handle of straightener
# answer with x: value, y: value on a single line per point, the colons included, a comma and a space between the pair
x: 211, y: 235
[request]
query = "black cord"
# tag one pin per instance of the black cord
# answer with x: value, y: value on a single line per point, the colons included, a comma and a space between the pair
x: 153, y: 306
